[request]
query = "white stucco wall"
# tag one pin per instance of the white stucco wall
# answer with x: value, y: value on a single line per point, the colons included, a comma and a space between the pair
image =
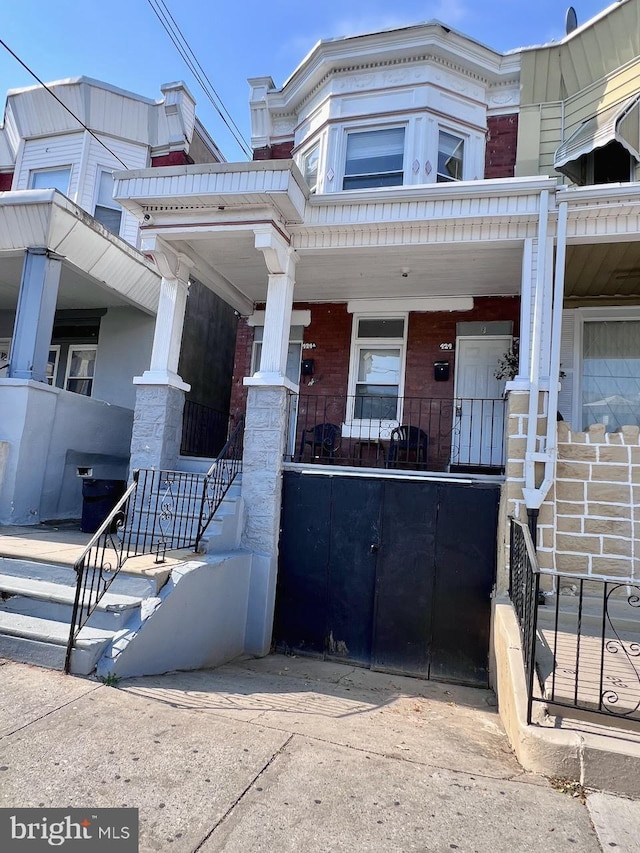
x: 124, y: 351
x: 47, y: 433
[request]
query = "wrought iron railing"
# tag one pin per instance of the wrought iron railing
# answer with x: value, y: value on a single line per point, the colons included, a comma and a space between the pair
x: 159, y: 512
x: 397, y: 432
x: 204, y: 430
x: 580, y: 635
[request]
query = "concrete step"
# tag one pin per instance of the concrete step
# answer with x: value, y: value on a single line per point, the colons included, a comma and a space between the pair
x: 128, y: 582
x: 54, y: 601
x: 30, y: 639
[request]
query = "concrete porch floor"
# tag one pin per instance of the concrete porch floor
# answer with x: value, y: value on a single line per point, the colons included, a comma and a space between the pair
x: 63, y: 544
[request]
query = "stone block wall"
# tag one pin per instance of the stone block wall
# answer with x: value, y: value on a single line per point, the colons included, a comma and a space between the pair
x: 589, y: 522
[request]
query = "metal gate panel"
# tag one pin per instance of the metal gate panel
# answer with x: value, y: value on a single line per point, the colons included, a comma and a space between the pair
x: 405, y: 578
x: 355, y: 528
x: 301, y: 594
x: 465, y: 557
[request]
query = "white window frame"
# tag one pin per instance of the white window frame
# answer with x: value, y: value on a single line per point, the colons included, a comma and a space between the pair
x: 54, y: 348
x: 316, y: 146
x: 464, y: 138
x: 101, y: 170
x: 371, y: 128
x: 61, y: 167
x: 366, y: 427
x: 73, y: 348
x: 591, y: 315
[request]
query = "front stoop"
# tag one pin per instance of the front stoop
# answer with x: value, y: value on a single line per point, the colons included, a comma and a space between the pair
x: 597, y: 756
x: 186, y: 613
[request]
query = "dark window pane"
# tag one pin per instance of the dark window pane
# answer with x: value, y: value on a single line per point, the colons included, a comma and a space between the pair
x: 375, y: 328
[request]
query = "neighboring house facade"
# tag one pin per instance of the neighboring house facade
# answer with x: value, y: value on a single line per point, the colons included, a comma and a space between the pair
x: 580, y: 120
x: 78, y: 299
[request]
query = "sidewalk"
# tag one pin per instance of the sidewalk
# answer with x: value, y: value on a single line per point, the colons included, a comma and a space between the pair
x: 289, y: 754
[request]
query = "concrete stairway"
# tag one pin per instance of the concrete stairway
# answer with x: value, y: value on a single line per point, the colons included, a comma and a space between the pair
x: 36, y: 599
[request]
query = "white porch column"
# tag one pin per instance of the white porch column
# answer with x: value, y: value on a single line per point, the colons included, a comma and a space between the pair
x: 265, y: 438
x: 35, y: 314
x: 157, y: 422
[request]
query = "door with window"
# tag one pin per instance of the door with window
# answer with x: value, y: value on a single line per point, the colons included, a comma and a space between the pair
x: 478, y: 427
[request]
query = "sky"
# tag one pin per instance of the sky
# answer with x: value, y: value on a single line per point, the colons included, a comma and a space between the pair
x: 123, y: 43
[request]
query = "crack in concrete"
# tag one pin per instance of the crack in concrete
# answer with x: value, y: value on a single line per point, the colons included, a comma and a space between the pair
x: 239, y: 799
x: 52, y: 711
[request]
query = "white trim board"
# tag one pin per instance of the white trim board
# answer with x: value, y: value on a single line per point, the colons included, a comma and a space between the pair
x: 389, y: 307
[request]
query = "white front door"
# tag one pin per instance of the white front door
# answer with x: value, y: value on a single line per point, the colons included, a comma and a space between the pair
x: 478, y: 428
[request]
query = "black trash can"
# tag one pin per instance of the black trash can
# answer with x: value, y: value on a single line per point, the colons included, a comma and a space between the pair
x: 98, y: 499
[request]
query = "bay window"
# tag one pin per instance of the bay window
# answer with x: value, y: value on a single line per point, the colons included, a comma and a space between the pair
x: 450, y: 157
x: 374, y: 158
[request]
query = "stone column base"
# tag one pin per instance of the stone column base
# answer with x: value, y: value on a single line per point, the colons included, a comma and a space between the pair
x: 157, y: 427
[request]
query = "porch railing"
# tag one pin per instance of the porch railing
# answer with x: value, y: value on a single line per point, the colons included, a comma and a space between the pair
x: 204, y: 430
x: 160, y: 511
x: 417, y: 433
x: 580, y: 635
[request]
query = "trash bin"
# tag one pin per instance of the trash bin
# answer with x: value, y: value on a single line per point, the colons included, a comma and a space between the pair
x: 98, y: 499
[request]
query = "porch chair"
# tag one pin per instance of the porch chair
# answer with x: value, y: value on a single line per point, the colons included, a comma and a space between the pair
x: 407, y: 441
x: 324, y: 440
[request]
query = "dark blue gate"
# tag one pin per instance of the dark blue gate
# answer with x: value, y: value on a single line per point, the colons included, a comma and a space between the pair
x: 390, y: 573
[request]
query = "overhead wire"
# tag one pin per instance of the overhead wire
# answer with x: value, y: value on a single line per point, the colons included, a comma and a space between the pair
x: 172, y: 28
x: 62, y: 104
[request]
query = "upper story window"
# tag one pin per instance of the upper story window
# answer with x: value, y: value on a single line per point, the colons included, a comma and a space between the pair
x: 310, y: 163
x: 47, y: 179
x: 375, y: 158
x: 450, y: 157
x: 107, y: 211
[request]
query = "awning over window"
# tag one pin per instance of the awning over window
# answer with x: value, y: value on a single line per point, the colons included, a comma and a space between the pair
x: 620, y: 123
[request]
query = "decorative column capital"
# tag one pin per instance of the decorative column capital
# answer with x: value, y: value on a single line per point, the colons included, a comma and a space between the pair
x: 170, y: 264
x: 279, y: 257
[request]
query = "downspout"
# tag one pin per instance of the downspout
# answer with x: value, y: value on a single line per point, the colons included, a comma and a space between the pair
x: 529, y: 491
x: 535, y: 496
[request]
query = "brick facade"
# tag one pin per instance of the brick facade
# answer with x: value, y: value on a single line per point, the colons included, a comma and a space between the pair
x: 278, y: 151
x: 6, y: 179
x: 500, y: 152
x: 174, y: 158
x: 330, y: 331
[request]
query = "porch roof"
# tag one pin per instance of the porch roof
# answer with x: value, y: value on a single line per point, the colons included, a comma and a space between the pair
x: 430, y: 240
x: 92, y: 255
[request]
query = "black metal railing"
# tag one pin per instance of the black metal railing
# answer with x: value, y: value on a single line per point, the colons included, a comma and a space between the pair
x: 160, y: 511
x: 397, y: 432
x: 204, y: 430
x: 580, y: 635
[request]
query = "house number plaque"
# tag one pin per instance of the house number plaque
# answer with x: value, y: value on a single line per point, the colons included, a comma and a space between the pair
x: 446, y: 346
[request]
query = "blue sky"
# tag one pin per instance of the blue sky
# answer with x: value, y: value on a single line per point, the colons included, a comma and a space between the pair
x: 123, y: 43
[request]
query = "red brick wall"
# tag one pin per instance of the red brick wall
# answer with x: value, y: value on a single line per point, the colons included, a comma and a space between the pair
x: 174, y: 158
x: 330, y: 330
x: 279, y: 151
x: 6, y: 178
x: 241, y: 368
x: 500, y: 154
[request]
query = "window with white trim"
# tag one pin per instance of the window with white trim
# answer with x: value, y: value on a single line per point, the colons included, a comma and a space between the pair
x: 310, y: 164
x: 107, y: 211
x: 610, y: 373
x: 450, y: 157
x: 81, y: 362
x: 294, y: 353
x: 374, y: 158
x: 47, y: 179
x: 376, y: 374
x: 52, y: 363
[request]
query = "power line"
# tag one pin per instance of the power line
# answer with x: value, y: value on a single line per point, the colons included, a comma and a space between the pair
x: 171, y: 27
x: 62, y: 104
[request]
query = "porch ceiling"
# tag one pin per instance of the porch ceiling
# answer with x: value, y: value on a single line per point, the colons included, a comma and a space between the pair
x: 602, y: 270
x: 356, y: 272
x: 76, y: 290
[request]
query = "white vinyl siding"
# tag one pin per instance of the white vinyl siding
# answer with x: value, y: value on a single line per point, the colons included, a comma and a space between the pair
x: 49, y: 153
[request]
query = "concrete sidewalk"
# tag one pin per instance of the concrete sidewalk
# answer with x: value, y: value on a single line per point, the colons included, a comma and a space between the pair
x: 289, y: 754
